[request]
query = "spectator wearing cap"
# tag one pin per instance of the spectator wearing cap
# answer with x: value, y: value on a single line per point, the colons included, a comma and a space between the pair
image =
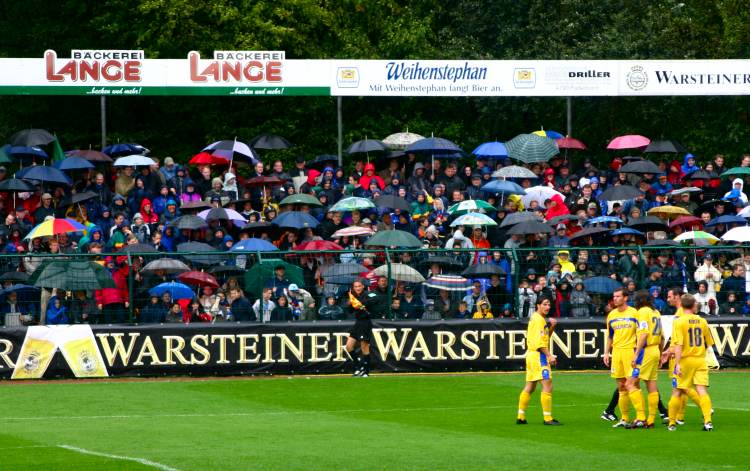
x: 474, y: 190
x: 411, y: 305
x: 140, y: 229
x: 301, y: 302
x: 560, y: 238
x: 655, y: 277
x: 709, y: 273
x: 169, y: 170
x: 45, y: 209
x: 279, y: 283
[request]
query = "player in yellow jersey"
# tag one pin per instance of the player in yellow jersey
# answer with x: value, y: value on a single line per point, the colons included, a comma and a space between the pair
x: 648, y: 351
x: 690, y: 337
x: 622, y: 329
x: 538, y: 362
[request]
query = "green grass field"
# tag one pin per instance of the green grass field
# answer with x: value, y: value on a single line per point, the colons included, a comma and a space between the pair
x: 382, y: 422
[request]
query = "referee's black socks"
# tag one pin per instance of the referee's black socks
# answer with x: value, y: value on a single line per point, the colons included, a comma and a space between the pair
x: 366, y: 363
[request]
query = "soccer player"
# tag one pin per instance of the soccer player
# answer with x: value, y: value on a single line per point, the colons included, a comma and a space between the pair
x: 362, y: 331
x: 538, y: 362
x: 622, y: 329
x: 690, y: 338
x: 648, y: 351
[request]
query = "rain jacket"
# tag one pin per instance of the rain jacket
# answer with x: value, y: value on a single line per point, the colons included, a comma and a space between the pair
x: 579, y: 303
x: 686, y: 168
x: 674, y: 174
x: 118, y: 294
x: 56, y: 316
x: 735, y: 195
x: 369, y: 175
x: 566, y: 266
x: 558, y: 210
x: 230, y: 185
x: 148, y: 217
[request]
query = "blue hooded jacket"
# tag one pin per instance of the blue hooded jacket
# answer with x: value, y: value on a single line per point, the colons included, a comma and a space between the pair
x: 56, y: 316
x: 686, y: 167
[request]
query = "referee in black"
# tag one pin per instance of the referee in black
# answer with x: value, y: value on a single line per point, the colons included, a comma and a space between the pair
x: 360, y: 303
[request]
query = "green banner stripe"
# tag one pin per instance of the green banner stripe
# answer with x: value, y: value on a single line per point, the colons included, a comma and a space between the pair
x: 165, y: 91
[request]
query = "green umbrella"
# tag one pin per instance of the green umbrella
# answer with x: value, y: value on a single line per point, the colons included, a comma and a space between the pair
x: 470, y: 205
x: 530, y: 148
x: 736, y: 172
x: 352, y: 203
x: 4, y: 157
x: 71, y: 275
x: 301, y: 198
x: 394, y: 238
x: 261, y: 273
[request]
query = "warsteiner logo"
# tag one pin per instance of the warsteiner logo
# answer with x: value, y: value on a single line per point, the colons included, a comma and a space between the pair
x: 637, y: 79
x: 31, y: 362
x: 87, y: 362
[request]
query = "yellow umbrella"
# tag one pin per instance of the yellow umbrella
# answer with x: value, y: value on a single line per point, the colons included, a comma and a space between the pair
x: 668, y: 212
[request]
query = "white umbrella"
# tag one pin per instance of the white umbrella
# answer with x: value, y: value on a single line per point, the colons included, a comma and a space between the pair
x: 737, y: 234
x: 474, y: 219
x: 220, y: 213
x: 745, y: 213
x: 353, y: 231
x: 134, y: 161
x: 538, y: 194
x: 514, y: 171
x: 400, y: 272
x: 401, y: 140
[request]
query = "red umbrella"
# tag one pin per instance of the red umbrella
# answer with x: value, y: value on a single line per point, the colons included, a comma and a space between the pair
x: 263, y: 181
x: 629, y: 141
x: 198, y: 278
x: 570, y: 143
x: 319, y: 245
x: 204, y: 158
x: 688, y: 222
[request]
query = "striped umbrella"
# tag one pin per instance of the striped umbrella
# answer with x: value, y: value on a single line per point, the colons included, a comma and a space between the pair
x: 530, y: 148
x: 470, y: 205
x: 474, y: 219
x: 353, y: 231
x: 697, y: 238
x: 514, y: 171
x: 448, y: 283
x: 53, y: 227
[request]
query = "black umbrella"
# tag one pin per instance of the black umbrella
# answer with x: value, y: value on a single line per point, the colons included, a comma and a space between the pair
x: 710, y: 206
x: 516, y: 218
x: 648, y: 223
x: 483, y: 270
x: 15, y: 276
x: 195, y: 206
x: 620, y: 192
x: 701, y: 175
x: 665, y: 147
x: 31, y: 138
x: 226, y: 270
x: 322, y: 161
x: 78, y: 198
x: 14, y: 185
x: 270, y: 142
x: 530, y: 227
x: 392, y: 202
x: 200, y: 247
x: 367, y: 145
x: 640, y: 167
x: 342, y: 273
x: 442, y: 260
x: 189, y: 222
x: 217, y: 214
x: 562, y: 219
x: 591, y: 231
x: 168, y: 265
x: 662, y: 243
x: 138, y: 248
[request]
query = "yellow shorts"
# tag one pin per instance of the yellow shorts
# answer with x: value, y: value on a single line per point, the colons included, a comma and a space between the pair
x: 621, y: 364
x: 649, y: 363
x: 537, y: 367
x: 694, y: 372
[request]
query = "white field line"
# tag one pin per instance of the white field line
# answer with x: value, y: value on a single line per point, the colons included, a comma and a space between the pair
x: 142, y: 461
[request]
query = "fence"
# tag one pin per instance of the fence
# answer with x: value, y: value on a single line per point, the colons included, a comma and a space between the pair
x: 509, y: 280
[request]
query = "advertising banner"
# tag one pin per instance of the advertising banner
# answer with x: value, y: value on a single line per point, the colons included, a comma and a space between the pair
x: 308, y: 348
x: 693, y: 77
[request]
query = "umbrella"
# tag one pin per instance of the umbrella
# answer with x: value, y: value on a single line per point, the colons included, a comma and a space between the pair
x: 25, y: 293
x: 316, y: 245
x: 189, y: 221
x: 665, y: 147
x: 399, y: 272
x: 470, y: 205
x: 506, y: 187
x: 194, y: 206
x: 530, y: 148
x: 686, y: 221
x: 233, y: 150
x: 253, y: 245
x: 4, y: 157
x: 539, y: 194
x: 17, y: 276
x: 483, y: 270
x: 353, y: 231
x: 198, y: 278
x: 570, y: 143
x: 448, y: 283
x: 627, y: 231
x: 31, y: 137
x: 352, y: 203
x: 737, y: 234
x: 701, y: 175
x: 168, y: 265
x: 394, y: 238
x: 603, y: 220
x: 45, y: 174
x: 630, y: 141
x: 138, y: 248
x: 710, y: 206
x: 401, y: 140
x: 727, y: 219
x: 71, y: 275
x: 591, y: 231
x: 301, y: 198
x: 270, y: 142
x: 530, y: 227
x: 90, y: 155
x: 687, y: 189
x: 491, y: 149
x: 23, y: 152
x: 74, y: 163
x: 134, y: 161
x: 322, y: 161
x: 641, y: 167
x: 226, y: 270
x: 366, y: 145
x: 295, y: 220
x: 264, y: 181
x: 15, y: 185
x: 601, y: 285
x: 442, y: 260
x: 212, y: 257
x: 662, y: 243
x: 434, y: 145
x: 668, y: 212
x: 697, y: 237
x: 204, y: 158
x: 175, y: 289
x: 516, y: 218
x: 260, y: 273
x: 393, y: 202
x: 736, y: 172
x: 117, y: 150
x: 78, y: 198
x: 340, y: 270
x: 474, y: 219
x: 222, y: 214
x: 562, y: 219
x: 648, y: 223
x: 548, y: 134
x: 514, y: 171
x: 55, y: 226
x: 620, y: 192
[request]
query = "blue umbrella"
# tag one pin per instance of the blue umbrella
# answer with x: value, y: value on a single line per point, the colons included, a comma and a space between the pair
x: 505, y: 187
x: 491, y: 149
x: 727, y: 219
x: 295, y: 219
x: 25, y: 293
x: 625, y: 231
x: 117, y: 150
x: 73, y: 163
x: 44, y: 174
x: 175, y: 289
x: 23, y: 151
x: 601, y: 285
x: 435, y: 145
x: 604, y: 220
x: 253, y: 245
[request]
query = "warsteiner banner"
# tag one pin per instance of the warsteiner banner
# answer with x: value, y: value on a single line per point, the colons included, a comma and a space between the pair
x: 318, y: 347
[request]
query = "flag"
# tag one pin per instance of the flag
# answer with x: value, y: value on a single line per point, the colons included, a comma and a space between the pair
x: 356, y: 303
x: 57, y: 152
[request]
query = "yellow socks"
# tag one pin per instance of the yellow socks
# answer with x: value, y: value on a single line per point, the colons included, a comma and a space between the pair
x: 547, y: 406
x: 653, y: 405
x: 636, y: 398
x: 681, y: 409
x: 624, y: 404
x: 705, y: 402
x: 674, y: 407
x: 523, y: 403
x: 694, y: 396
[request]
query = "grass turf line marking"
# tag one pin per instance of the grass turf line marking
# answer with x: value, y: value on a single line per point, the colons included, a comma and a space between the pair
x: 142, y: 461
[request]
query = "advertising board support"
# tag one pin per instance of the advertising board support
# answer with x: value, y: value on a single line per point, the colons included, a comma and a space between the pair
x: 340, y: 126
x: 103, y: 113
x: 569, y: 128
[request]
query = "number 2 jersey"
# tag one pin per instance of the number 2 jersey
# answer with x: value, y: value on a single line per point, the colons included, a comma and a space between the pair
x: 649, y: 322
x: 692, y: 333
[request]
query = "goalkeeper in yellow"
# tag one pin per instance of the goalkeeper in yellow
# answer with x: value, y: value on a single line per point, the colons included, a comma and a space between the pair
x: 648, y: 351
x: 690, y: 337
x: 538, y: 362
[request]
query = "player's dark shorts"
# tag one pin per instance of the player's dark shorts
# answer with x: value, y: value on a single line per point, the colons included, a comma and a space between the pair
x: 362, y: 330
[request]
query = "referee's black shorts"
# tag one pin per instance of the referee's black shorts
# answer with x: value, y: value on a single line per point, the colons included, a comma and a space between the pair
x: 362, y: 330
